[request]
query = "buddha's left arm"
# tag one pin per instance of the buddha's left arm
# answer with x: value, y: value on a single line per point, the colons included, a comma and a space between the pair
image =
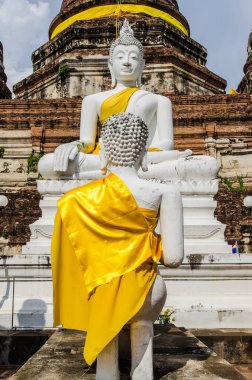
x: 164, y: 124
x: 172, y: 226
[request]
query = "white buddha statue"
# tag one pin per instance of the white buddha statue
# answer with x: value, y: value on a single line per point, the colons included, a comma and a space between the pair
x: 80, y: 159
x: 105, y: 238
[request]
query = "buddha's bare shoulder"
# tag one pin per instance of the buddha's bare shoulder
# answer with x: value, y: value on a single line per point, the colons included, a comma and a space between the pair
x: 98, y: 95
x: 94, y: 101
x: 157, y: 97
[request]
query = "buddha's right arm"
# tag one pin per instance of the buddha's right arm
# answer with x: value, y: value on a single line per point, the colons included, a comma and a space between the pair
x: 88, y: 128
x: 88, y: 123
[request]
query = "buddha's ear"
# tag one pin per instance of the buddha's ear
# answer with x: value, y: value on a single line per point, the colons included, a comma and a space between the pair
x: 113, y: 79
x: 103, y: 158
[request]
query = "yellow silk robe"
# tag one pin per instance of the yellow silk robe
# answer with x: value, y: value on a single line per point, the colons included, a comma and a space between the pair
x: 114, y: 104
x: 104, y: 251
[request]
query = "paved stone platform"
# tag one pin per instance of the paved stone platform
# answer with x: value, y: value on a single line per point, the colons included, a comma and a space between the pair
x: 178, y: 355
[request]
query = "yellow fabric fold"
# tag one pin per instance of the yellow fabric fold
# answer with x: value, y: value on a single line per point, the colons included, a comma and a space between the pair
x: 116, y: 10
x: 104, y: 250
x: 233, y: 92
x: 155, y: 149
x: 114, y: 104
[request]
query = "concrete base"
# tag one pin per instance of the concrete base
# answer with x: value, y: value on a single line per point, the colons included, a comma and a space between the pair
x: 177, y: 355
x: 206, y: 291
x: 214, y: 291
x: 26, y: 292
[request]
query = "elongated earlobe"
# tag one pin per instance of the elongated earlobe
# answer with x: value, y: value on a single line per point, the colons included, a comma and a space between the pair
x: 139, y: 79
x: 113, y: 78
x: 139, y: 82
x: 113, y: 81
x: 143, y: 163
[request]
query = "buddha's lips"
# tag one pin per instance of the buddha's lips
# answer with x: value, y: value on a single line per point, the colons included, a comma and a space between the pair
x: 126, y: 70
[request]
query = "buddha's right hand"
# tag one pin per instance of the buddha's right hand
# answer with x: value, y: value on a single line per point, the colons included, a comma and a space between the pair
x: 65, y: 152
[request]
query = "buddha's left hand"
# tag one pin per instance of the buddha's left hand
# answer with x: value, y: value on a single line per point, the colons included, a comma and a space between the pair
x: 163, y: 145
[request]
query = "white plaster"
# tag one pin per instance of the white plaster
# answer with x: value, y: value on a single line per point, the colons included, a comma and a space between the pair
x: 248, y: 201
x: 3, y: 201
x: 211, y: 291
x: 26, y: 292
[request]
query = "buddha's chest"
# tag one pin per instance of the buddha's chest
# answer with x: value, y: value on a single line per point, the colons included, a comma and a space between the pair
x: 145, y: 107
x: 141, y: 103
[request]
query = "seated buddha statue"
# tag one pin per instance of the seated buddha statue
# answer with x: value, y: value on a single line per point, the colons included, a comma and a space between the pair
x: 80, y: 159
x: 105, y: 251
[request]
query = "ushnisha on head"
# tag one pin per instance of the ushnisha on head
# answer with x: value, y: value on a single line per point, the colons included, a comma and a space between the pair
x: 124, y: 138
x: 126, y: 57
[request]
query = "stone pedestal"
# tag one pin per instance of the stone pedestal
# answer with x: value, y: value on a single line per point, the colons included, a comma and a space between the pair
x: 203, y: 233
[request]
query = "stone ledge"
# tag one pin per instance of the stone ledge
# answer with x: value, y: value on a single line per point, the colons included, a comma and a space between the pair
x: 59, y: 187
x: 177, y: 355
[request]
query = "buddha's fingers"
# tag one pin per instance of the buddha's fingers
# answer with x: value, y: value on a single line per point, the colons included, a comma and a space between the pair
x: 56, y: 159
x: 59, y: 153
x: 65, y: 159
x: 61, y: 158
x: 73, y: 153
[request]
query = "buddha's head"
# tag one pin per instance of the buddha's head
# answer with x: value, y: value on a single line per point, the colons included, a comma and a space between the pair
x: 124, y: 141
x: 126, y: 61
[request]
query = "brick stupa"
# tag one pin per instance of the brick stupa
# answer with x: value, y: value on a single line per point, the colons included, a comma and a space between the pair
x: 175, y: 63
x: 5, y: 93
x: 245, y: 85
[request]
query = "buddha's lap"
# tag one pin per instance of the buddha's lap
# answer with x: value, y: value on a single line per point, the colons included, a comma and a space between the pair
x: 154, y: 301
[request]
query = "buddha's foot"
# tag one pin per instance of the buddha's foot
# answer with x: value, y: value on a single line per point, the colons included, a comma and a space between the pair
x: 185, y: 153
x: 184, y: 169
x: 95, y: 174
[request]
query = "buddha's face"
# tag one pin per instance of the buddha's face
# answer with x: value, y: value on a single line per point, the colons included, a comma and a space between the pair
x: 127, y: 63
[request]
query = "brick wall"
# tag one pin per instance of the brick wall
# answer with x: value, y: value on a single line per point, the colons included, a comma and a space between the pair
x: 231, y: 211
x: 21, y: 211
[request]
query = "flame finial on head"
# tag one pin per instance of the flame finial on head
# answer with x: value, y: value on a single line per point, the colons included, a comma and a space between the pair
x: 126, y: 29
x: 126, y: 38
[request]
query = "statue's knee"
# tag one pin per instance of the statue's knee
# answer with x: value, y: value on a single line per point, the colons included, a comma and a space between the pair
x: 45, y: 167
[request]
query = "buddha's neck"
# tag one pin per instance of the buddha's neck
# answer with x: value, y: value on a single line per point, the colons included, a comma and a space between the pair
x: 122, y: 84
x: 124, y: 171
